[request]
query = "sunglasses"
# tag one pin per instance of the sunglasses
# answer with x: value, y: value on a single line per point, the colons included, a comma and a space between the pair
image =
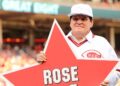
x: 83, y: 18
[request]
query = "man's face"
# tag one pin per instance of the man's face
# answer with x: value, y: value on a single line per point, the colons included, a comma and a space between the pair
x: 80, y: 24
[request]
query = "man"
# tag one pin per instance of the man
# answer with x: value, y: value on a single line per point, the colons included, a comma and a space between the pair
x: 82, y: 41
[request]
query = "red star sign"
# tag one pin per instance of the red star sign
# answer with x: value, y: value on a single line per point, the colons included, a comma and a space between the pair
x: 62, y: 68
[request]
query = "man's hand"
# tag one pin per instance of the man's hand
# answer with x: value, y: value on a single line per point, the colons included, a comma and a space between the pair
x: 104, y: 83
x: 41, y: 57
x: 118, y: 83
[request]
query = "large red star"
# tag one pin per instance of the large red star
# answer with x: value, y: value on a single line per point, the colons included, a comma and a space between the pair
x: 62, y: 68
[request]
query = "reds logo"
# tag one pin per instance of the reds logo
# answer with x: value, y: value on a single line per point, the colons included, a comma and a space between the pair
x: 92, y: 54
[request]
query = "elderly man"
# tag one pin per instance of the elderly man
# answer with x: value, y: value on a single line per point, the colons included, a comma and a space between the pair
x: 82, y: 41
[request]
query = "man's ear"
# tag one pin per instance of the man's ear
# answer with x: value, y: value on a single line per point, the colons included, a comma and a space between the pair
x: 92, y: 23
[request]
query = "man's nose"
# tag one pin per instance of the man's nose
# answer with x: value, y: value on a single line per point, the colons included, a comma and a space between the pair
x: 79, y: 21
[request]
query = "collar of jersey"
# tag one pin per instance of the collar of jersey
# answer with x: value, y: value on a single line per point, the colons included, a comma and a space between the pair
x: 88, y: 37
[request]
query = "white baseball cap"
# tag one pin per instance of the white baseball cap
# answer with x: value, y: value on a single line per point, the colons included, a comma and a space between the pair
x: 83, y: 9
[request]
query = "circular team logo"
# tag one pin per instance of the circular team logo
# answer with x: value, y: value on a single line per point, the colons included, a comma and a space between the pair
x: 91, y: 54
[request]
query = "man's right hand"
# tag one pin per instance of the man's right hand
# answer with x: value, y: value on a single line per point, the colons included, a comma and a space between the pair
x: 41, y: 57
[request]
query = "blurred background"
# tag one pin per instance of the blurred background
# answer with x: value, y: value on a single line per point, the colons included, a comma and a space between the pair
x: 25, y: 25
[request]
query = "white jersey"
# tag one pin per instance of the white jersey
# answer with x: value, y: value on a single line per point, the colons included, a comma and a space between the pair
x: 92, y: 47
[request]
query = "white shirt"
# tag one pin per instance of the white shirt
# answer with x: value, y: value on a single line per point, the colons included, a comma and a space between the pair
x: 92, y: 47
